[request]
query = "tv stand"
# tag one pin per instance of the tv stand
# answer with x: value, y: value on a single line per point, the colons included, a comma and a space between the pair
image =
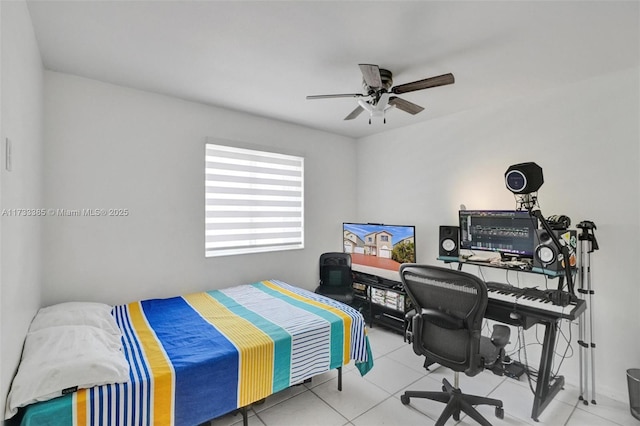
x: 384, y: 301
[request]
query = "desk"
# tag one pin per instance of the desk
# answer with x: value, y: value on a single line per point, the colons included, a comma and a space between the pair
x: 385, y: 301
x: 547, y: 386
x: 502, y: 265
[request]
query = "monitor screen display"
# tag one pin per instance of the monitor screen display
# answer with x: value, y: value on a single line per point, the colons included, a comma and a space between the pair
x: 504, y: 231
x: 379, y: 249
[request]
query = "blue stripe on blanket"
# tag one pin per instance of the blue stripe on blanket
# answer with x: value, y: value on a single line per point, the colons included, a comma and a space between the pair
x: 201, y: 386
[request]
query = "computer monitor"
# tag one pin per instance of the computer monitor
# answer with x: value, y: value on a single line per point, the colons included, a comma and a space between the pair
x: 505, y: 231
x: 379, y: 249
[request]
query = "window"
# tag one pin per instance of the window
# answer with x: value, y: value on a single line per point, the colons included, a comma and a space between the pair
x: 254, y: 201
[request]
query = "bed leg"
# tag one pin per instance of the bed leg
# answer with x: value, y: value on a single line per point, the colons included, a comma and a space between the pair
x: 245, y: 419
x: 340, y: 379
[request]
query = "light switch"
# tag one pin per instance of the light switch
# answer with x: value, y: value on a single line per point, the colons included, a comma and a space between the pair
x: 8, y: 153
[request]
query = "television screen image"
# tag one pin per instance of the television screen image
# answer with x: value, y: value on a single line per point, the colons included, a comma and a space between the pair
x: 379, y: 249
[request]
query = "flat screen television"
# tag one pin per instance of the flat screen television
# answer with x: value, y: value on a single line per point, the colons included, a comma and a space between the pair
x: 378, y: 249
x: 510, y: 232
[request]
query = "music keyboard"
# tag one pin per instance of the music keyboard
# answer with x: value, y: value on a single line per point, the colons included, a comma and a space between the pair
x: 532, y: 301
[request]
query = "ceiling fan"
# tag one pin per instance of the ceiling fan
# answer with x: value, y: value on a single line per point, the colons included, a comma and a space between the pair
x: 379, y: 95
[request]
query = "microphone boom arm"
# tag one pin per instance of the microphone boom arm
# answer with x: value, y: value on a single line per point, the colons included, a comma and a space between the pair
x: 562, y: 247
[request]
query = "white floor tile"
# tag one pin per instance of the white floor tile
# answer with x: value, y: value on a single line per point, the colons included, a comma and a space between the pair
x: 581, y: 418
x: 518, y: 402
x: 391, y: 412
x: 383, y: 341
x: 357, y: 396
x: 391, y: 376
x: 303, y: 409
x: 279, y: 397
x: 611, y: 409
x: 489, y: 414
x: 405, y: 355
x: 375, y: 398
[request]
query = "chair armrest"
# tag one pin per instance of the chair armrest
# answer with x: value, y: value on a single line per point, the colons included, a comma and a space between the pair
x: 409, y: 315
x: 408, y: 329
x: 500, y: 335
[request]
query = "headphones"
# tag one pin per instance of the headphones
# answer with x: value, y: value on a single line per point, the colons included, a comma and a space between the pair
x: 559, y: 222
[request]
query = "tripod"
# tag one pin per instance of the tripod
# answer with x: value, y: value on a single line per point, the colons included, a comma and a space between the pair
x: 588, y: 245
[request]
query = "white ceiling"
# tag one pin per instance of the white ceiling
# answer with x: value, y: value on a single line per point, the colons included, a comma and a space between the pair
x: 264, y: 57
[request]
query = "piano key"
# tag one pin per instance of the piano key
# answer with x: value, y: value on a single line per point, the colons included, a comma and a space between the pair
x: 529, y: 298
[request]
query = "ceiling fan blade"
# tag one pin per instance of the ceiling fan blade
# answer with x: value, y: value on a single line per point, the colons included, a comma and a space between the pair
x: 440, y: 80
x: 404, y: 105
x: 356, y: 112
x: 371, y: 75
x: 340, y: 95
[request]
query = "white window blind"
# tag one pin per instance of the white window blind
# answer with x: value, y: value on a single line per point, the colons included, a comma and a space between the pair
x: 254, y: 201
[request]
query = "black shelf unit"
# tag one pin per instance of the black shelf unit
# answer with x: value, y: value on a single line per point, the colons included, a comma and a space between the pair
x: 381, y: 301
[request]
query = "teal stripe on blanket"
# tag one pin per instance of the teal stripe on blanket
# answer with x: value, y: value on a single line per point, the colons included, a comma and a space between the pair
x: 57, y: 411
x: 281, y: 339
x: 337, y: 326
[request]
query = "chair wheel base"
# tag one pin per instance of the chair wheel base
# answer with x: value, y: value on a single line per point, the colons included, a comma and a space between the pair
x: 404, y: 399
x: 500, y: 412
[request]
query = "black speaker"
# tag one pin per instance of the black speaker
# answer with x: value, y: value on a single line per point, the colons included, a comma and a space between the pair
x: 524, y: 178
x: 449, y: 241
x: 546, y: 255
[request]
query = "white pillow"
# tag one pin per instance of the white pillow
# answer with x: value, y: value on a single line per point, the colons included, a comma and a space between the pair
x: 76, y: 313
x: 60, y: 358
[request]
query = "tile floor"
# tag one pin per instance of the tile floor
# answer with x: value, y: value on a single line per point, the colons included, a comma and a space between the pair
x: 375, y: 398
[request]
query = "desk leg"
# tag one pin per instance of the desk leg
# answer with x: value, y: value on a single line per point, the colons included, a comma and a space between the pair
x: 545, y: 390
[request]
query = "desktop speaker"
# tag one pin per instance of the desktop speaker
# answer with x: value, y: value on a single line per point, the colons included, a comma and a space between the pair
x: 449, y: 241
x: 547, y: 256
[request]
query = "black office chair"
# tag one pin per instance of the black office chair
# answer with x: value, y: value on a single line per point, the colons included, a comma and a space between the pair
x: 336, y: 280
x: 445, y: 327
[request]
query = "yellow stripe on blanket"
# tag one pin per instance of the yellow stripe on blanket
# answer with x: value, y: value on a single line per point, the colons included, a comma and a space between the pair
x: 162, y: 372
x: 80, y: 401
x: 346, y: 319
x: 256, y: 349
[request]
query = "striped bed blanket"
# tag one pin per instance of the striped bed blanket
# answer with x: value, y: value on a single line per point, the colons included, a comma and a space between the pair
x: 199, y: 356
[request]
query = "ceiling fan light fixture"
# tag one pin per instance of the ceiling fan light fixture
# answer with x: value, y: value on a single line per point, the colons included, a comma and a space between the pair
x: 365, y: 105
x: 377, y: 87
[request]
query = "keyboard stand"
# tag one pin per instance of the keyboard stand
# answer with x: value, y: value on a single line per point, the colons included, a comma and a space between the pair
x: 546, y: 387
x: 545, y: 390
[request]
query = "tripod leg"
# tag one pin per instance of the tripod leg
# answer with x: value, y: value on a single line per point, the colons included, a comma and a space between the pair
x: 581, y: 330
x: 591, y: 337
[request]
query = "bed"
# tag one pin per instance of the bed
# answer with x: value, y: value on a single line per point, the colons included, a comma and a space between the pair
x: 196, y: 357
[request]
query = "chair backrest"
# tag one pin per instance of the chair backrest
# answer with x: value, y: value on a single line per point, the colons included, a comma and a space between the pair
x: 335, y: 271
x: 335, y: 258
x: 450, y: 306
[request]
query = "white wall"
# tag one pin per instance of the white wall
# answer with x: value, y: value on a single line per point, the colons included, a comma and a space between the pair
x: 21, y: 119
x: 586, y: 139
x: 112, y: 147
